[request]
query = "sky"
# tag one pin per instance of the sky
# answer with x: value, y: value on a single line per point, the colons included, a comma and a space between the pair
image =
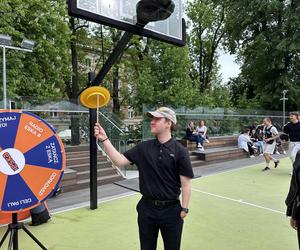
x: 229, y: 68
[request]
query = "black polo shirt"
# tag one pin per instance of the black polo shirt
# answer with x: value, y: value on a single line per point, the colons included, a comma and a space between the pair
x: 160, y: 167
x: 293, y: 130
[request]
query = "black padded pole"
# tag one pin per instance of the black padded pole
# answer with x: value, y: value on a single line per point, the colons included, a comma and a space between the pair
x: 93, y: 155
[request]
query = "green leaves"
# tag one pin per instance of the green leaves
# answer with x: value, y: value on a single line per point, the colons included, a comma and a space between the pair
x: 42, y: 73
x: 265, y: 35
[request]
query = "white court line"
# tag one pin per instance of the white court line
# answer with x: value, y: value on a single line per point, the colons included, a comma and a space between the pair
x: 227, y: 171
x: 86, y: 204
x: 234, y: 169
x: 238, y: 201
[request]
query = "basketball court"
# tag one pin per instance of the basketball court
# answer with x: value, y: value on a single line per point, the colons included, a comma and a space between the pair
x: 239, y: 209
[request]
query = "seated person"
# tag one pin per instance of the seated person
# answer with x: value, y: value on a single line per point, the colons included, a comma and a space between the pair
x: 257, y: 138
x: 279, y: 149
x: 40, y: 214
x: 245, y: 143
x: 192, y: 135
x: 202, y: 130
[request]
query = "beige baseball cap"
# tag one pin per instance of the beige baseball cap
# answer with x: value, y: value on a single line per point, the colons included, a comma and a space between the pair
x: 163, y: 112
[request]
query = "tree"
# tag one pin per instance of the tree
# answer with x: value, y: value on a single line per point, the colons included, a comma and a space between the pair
x: 266, y: 35
x: 42, y: 73
x: 161, y: 76
x: 205, y: 35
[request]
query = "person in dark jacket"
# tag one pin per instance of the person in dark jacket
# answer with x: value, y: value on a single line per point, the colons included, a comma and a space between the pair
x: 293, y: 199
x: 192, y: 135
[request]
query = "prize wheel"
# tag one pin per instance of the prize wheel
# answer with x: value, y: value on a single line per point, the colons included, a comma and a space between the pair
x: 32, y: 161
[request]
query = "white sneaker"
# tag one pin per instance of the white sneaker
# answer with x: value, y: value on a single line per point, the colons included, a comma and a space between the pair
x: 277, y: 152
x: 207, y: 141
x: 261, y: 154
x: 284, y: 152
x: 199, y: 145
x: 252, y: 156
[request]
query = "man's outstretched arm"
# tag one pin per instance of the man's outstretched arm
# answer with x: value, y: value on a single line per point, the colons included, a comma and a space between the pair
x: 117, y: 158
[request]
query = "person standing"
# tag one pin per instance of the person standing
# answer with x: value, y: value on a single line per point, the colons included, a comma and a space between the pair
x: 293, y: 130
x: 270, y: 136
x: 293, y: 200
x: 164, y: 172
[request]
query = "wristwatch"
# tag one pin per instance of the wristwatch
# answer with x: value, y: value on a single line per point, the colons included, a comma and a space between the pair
x: 184, y: 209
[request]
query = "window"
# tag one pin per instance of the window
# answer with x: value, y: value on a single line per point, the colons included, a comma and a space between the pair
x: 53, y: 113
x: 130, y: 114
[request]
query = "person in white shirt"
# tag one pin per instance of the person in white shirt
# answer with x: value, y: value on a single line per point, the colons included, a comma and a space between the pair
x: 202, y: 130
x: 270, y: 136
x: 245, y: 143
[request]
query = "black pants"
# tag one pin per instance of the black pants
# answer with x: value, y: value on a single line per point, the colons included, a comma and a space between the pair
x: 251, y: 150
x: 153, y: 218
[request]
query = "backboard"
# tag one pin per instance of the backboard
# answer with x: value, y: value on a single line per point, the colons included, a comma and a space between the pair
x: 121, y: 14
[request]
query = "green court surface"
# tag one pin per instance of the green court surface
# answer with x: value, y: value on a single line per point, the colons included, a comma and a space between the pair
x: 242, y: 209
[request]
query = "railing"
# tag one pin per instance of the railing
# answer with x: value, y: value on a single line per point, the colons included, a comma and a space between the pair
x: 67, y: 116
x: 219, y: 121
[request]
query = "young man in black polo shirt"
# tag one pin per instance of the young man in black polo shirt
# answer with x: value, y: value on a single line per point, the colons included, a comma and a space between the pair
x: 164, y: 172
x: 293, y: 130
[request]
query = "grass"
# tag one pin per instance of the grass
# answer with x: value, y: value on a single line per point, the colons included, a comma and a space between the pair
x: 238, y: 210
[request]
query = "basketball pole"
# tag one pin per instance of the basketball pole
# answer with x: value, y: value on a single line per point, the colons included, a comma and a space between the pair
x: 93, y: 154
x: 95, y: 81
x: 111, y: 60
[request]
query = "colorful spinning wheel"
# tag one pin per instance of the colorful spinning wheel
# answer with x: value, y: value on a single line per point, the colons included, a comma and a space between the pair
x: 32, y: 161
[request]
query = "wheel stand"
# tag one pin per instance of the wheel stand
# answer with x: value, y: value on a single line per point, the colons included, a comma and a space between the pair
x: 13, y: 229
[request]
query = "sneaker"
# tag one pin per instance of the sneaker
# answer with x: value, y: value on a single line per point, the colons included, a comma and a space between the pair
x: 266, y: 169
x: 251, y: 156
x: 261, y: 154
x: 207, y: 141
x: 276, y: 164
x: 284, y: 152
x: 277, y: 152
x: 57, y: 192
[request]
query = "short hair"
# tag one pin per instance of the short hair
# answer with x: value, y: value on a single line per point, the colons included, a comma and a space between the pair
x: 246, y: 130
x: 173, y: 127
x: 294, y: 113
x: 268, y: 119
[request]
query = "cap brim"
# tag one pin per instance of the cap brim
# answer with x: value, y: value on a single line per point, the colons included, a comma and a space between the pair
x: 154, y: 114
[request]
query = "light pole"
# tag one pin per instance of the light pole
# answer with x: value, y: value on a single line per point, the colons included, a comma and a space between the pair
x: 6, y: 43
x: 283, y: 99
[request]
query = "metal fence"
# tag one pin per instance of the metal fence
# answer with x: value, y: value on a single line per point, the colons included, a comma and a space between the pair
x: 219, y: 121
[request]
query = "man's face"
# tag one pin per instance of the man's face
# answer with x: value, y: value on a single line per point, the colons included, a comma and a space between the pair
x: 293, y: 118
x: 160, y: 125
x: 266, y: 122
